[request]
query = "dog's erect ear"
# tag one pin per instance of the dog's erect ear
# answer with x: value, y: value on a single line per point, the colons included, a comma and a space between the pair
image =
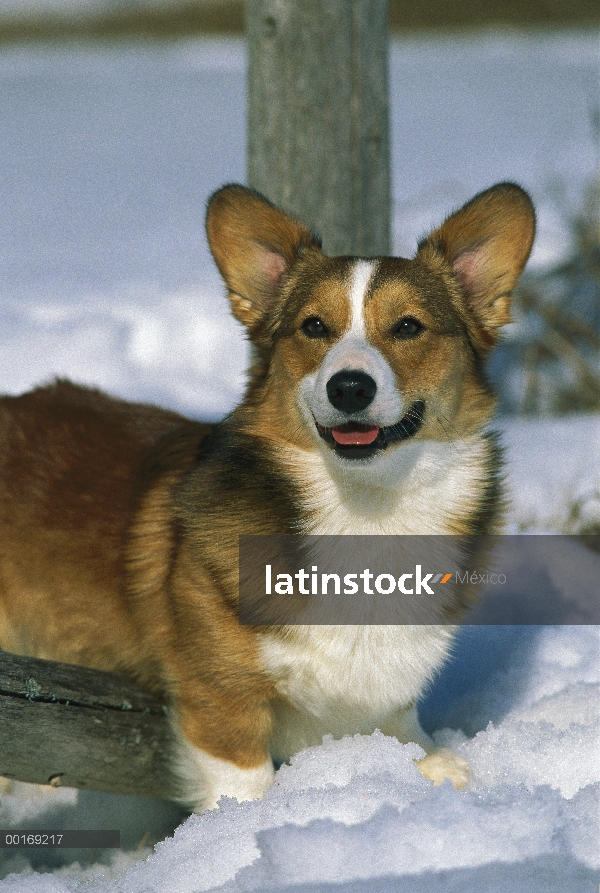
x: 254, y: 245
x: 487, y: 243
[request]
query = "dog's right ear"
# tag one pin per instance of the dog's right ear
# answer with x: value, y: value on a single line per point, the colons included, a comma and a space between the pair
x: 254, y: 245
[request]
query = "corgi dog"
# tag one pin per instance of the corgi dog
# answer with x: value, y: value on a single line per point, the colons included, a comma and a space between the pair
x: 367, y: 411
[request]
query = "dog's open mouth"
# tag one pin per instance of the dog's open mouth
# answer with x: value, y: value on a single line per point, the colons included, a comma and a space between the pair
x: 356, y: 441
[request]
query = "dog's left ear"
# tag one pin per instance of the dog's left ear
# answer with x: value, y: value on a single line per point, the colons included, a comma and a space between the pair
x: 487, y: 243
x: 254, y: 245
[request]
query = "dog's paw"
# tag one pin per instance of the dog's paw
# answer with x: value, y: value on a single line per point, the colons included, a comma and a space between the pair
x: 203, y: 779
x: 442, y: 764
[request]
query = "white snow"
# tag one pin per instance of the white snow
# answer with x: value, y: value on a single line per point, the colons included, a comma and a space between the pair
x: 107, y: 158
x: 555, y: 474
x: 82, y: 8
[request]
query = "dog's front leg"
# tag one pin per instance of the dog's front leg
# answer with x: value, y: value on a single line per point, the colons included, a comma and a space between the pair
x: 218, y: 755
x: 219, y: 697
x: 439, y: 764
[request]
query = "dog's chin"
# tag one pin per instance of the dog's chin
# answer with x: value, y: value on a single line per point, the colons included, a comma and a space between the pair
x: 354, y: 441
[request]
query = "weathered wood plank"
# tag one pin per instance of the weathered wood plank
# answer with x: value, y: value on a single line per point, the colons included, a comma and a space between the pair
x: 318, y: 117
x: 43, y: 680
x: 83, y: 728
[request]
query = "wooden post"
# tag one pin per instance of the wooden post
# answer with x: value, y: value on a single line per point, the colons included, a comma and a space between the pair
x: 74, y: 727
x: 318, y: 117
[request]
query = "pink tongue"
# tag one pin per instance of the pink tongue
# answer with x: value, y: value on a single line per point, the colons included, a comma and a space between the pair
x: 358, y: 436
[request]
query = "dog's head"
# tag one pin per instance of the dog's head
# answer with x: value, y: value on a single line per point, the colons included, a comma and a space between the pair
x: 357, y: 356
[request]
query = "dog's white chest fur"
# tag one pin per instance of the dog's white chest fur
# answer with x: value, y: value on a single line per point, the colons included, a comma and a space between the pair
x: 348, y: 679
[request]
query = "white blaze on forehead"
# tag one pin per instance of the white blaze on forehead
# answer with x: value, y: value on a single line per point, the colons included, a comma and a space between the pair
x: 362, y: 273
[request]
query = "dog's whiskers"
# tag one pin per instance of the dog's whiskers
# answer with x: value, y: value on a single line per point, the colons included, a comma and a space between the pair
x: 450, y: 439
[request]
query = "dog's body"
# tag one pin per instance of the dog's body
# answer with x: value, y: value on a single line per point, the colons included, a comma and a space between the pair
x: 366, y: 412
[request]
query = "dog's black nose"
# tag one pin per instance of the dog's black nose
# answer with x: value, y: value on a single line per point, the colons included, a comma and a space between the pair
x: 351, y: 390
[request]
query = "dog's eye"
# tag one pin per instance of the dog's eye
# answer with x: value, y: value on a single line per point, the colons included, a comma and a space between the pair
x: 408, y: 328
x: 314, y: 327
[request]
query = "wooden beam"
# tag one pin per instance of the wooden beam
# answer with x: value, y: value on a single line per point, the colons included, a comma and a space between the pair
x: 318, y: 117
x: 75, y: 727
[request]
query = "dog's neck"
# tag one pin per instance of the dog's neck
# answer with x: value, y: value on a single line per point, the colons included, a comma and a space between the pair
x: 420, y: 488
